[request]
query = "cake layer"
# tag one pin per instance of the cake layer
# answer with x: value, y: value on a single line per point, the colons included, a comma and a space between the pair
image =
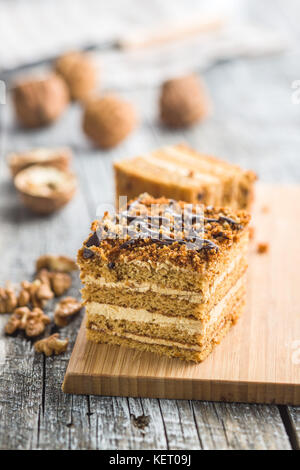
x: 165, y: 274
x: 181, y: 173
x: 166, y: 301
x: 142, y: 322
x: 188, y: 352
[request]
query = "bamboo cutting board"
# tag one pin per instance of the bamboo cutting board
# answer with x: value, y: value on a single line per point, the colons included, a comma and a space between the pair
x: 258, y: 361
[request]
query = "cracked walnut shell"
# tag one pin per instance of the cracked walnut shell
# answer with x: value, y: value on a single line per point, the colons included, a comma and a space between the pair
x: 51, y: 345
x: 79, y: 73
x: 33, y: 322
x: 59, y: 158
x: 44, y: 189
x: 108, y: 120
x: 183, y: 101
x: 40, y: 101
x: 65, y: 309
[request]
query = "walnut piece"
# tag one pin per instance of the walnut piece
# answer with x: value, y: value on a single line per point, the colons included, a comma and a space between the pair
x: 79, y: 73
x: 59, y: 158
x: 8, y: 300
x: 37, y: 293
x: 51, y: 345
x: 33, y: 322
x: 108, y: 120
x: 183, y: 101
x: 45, y: 189
x: 58, y: 282
x: 60, y: 263
x: 40, y: 101
x: 65, y: 309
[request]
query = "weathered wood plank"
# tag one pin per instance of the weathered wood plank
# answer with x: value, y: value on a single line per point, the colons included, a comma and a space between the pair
x: 239, y: 426
x: 21, y: 373
x: 122, y: 423
x: 21, y: 385
x: 293, y: 427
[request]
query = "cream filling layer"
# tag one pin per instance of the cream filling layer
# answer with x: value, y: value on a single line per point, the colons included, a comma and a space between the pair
x: 149, y: 286
x: 147, y: 340
x: 186, y: 325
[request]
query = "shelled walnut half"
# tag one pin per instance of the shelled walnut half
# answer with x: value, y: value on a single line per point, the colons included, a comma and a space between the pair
x: 58, y: 282
x: 56, y: 263
x: 40, y: 101
x: 33, y: 322
x: 51, y: 345
x: 44, y: 189
x: 59, y: 158
x: 8, y: 299
x: 36, y: 293
x: 65, y: 309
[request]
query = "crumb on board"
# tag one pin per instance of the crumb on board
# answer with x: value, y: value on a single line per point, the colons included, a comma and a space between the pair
x: 251, y: 232
x: 262, y: 247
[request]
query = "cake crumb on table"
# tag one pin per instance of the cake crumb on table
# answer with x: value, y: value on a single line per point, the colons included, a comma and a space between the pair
x: 262, y: 247
x: 251, y: 232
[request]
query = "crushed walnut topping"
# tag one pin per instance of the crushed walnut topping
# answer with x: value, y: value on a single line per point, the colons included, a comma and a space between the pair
x: 168, y: 235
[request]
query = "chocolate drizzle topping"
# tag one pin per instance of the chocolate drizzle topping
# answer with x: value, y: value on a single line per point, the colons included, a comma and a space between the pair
x: 93, y: 240
x: 87, y: 253
x: 223, y: 218
x: 149, y: 226
x: 145, y: 229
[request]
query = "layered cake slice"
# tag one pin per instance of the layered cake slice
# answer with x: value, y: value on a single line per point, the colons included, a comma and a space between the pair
x: 164, y: 276
x: 181, y: 173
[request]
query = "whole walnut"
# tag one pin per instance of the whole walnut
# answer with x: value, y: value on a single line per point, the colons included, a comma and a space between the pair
x: 79, y: 73
x: 108, y: 120
x: 39, y: 102
x: 183, y: 101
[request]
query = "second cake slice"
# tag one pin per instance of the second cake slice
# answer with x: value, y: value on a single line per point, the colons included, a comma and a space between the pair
x: 181, y: 173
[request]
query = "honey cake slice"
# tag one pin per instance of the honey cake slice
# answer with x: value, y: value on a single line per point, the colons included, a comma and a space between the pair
x: 181, y: 173
x: 165, y: 276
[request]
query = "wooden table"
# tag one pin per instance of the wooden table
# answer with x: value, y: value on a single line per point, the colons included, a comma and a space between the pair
x: 254, y: 124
